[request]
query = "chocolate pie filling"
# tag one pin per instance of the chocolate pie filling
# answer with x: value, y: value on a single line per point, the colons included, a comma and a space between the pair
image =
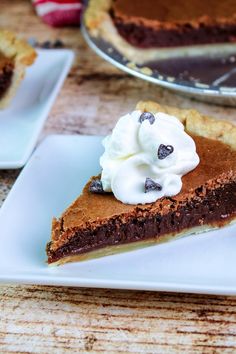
x: 214, y: 208
x: 6, y: 74
x: 155, y: 23
x: 147, y: 37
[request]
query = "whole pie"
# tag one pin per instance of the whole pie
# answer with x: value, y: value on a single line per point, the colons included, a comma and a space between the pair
x: 15, y: 56
x: 146, y: 30
x: 98, y: 224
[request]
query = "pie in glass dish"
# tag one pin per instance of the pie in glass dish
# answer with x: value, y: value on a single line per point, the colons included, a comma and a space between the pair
x: 179, y: 179
x: 15, y: 56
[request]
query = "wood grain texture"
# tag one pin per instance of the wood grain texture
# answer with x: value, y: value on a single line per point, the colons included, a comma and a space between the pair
x: 36, y: 319
x: 70, y: 319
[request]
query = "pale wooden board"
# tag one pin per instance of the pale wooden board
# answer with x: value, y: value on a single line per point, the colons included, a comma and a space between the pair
x: 60, y: 320
x: 46, y: 319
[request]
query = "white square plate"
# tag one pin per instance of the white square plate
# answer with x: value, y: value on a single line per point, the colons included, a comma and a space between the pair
x: 53, y: 177
x: 20, y: 124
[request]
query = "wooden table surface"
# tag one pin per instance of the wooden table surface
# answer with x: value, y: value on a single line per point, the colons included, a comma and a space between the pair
x: 39, y: 319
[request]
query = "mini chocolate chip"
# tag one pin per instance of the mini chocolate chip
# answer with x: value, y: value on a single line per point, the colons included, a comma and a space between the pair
x: 164, y: 151
x: 151, y: 185
x: 96, y: 186
x: 147, y: 115
x: 58, y: 44
x: 46, y: 45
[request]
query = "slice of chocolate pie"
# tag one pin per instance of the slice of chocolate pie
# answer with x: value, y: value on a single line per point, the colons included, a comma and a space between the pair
x: 15, y: 56
x: 151, y: 29
x: 150, y: 202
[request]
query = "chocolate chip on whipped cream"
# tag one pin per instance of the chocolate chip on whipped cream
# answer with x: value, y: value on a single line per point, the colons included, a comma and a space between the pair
x: 151, y: 185
x: 164, y: 151
x: 147, y: 116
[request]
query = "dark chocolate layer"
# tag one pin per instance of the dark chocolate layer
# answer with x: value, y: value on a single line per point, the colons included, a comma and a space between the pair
x: 5, y: 78
x: 216, y: 207
x: 148, y: 37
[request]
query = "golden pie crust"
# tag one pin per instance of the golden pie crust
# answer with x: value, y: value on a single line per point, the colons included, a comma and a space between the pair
x: 21, y: 54
x: 196, y: 123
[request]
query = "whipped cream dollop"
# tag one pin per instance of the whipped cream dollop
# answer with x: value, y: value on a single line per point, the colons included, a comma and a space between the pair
x: 145, y: 157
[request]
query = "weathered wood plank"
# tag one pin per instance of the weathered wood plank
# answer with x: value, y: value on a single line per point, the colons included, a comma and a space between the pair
x: 112, y: 321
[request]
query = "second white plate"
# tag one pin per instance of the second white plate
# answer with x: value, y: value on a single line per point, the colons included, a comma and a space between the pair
x: 53, y: 177
x: 20, y: 124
